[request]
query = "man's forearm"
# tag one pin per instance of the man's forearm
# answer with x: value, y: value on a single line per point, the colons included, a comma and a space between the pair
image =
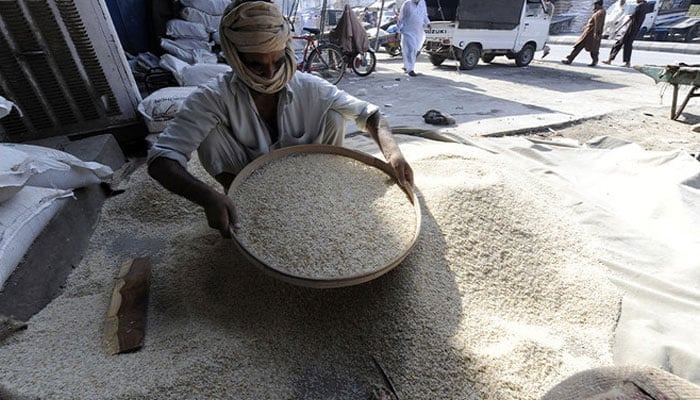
x: 176, y: 179
x: 380, y: 131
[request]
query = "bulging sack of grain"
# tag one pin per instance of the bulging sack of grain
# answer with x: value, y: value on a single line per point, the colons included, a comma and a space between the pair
x: 181, y: 29
x: 161, y: 106
x: 200, y: 73
x: 51, y: 168
x: 213, y: 7
x: 211, y: 22
x: 323, y: 219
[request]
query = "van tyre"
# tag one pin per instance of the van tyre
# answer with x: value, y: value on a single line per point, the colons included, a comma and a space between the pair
x: 525, y: 55
x: 487, y: 58
x: 470, y: 57
x: 436, y: 59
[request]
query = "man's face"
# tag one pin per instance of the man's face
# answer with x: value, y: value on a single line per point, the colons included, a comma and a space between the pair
x: 264, y: 64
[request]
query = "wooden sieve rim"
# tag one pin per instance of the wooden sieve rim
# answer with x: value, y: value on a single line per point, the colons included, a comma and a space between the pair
x: 336, y: 150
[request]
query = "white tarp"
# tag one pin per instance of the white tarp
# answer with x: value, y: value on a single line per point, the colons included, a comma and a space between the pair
x: 643, y: 209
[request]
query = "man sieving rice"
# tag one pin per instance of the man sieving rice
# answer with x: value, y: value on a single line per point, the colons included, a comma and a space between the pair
x: 260, y: 106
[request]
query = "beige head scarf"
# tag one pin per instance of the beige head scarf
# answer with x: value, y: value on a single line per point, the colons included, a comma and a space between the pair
x: 257, y: 27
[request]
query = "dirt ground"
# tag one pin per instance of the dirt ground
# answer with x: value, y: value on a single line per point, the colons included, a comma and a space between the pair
x: 649, y: 127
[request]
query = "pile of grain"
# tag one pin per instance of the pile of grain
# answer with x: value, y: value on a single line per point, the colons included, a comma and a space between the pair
x: 501, y: 298
x: 323, y: 216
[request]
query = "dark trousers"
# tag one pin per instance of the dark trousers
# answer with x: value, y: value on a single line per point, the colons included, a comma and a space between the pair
x: 577, y: 49
x: 625, y: 43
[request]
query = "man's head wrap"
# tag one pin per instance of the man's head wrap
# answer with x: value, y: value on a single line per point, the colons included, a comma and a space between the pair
x: 257, y: 27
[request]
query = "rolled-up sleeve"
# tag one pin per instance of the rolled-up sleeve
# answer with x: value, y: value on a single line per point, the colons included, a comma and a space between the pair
x: 199, y: 114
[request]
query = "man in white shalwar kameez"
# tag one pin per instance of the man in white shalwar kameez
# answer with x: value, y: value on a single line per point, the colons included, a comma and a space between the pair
x: 413, y: 16
x: 614, y: 18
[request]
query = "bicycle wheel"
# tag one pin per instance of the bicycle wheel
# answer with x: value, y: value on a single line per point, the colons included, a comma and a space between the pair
x: 327, y: 62
x: 364, y: 63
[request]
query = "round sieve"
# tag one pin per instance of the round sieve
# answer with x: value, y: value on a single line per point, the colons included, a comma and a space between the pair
x: 298, y: 275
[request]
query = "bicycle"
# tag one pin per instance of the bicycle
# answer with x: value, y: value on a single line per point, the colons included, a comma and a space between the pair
x: 324, y: 59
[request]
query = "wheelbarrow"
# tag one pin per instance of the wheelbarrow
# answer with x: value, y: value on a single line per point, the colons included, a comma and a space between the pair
x: 675, y: 75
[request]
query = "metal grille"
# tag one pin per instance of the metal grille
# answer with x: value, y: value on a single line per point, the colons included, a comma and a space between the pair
x: 50, y: 68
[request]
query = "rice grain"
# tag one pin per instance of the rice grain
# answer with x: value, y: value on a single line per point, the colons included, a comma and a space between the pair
x: 323, y: 216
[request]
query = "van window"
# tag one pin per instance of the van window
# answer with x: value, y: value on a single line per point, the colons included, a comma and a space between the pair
x: 534, y: 8
x: 491, y: 14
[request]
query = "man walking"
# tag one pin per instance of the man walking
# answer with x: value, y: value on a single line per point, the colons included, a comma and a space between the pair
x: 412, y: 17
x: 635, y: 22
x: 591, y: 36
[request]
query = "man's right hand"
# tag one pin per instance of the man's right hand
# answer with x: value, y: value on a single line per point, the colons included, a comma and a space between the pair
x: 219, y: 208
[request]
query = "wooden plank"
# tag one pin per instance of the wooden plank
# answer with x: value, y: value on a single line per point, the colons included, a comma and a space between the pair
x: 125, y: 325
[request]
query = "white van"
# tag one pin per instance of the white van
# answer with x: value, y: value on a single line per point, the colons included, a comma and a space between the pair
x: 469, y: 30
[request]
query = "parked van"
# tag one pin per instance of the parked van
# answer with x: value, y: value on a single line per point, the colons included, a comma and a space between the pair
x: 469, y: 30
x: 660, y: 15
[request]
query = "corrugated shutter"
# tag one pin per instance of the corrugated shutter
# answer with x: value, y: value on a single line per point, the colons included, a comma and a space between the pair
x: 61, y: 63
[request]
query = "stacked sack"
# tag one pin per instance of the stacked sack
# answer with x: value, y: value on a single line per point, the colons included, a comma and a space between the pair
x: 190, y: 55
x: 191, y: 37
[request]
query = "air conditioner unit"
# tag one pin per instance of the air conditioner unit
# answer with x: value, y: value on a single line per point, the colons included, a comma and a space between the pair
x: 62, y: 64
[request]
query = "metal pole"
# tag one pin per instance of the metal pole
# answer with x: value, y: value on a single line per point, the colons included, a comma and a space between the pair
x: 379, y: 23
x: 323, y: 19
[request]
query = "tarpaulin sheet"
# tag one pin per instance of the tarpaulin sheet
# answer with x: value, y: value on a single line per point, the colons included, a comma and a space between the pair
x: 643, y: 210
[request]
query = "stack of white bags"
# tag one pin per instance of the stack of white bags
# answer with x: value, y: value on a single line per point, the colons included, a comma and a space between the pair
x: 35, y: 182
x: 192, y: 37
x: 188, y: 56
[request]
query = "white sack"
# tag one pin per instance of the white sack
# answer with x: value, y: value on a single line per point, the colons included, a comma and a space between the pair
x: 189, y: 56
x: 173, y: 64
x: 181, y: 29
x: 14, y: 172
x: 211, y: 22
x: 200, y: 73
x: 5, y: 107
x: 162, y: 105
x: 189, y: 44
x: 212, y: 7
x: 56, y: 169
x: 22, y: 218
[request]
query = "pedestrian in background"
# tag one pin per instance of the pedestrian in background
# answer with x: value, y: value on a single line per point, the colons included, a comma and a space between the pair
x: 635, y: 22
x: 413, y: 16
x: 591, y: 36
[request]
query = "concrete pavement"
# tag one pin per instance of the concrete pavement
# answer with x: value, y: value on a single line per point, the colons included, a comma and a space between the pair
x: 499, y: 98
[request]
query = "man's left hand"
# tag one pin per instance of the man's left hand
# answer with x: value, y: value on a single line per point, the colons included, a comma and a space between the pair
x: 402, y: 171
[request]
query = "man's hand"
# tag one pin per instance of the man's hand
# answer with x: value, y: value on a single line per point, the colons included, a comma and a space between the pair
x: 221, y: 214
x: 219, y: 208
x: 402, y: 171
x: 378, y: 128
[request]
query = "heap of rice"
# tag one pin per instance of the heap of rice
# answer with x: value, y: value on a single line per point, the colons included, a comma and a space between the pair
x: 500, y: 299
x: 323, y: 216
